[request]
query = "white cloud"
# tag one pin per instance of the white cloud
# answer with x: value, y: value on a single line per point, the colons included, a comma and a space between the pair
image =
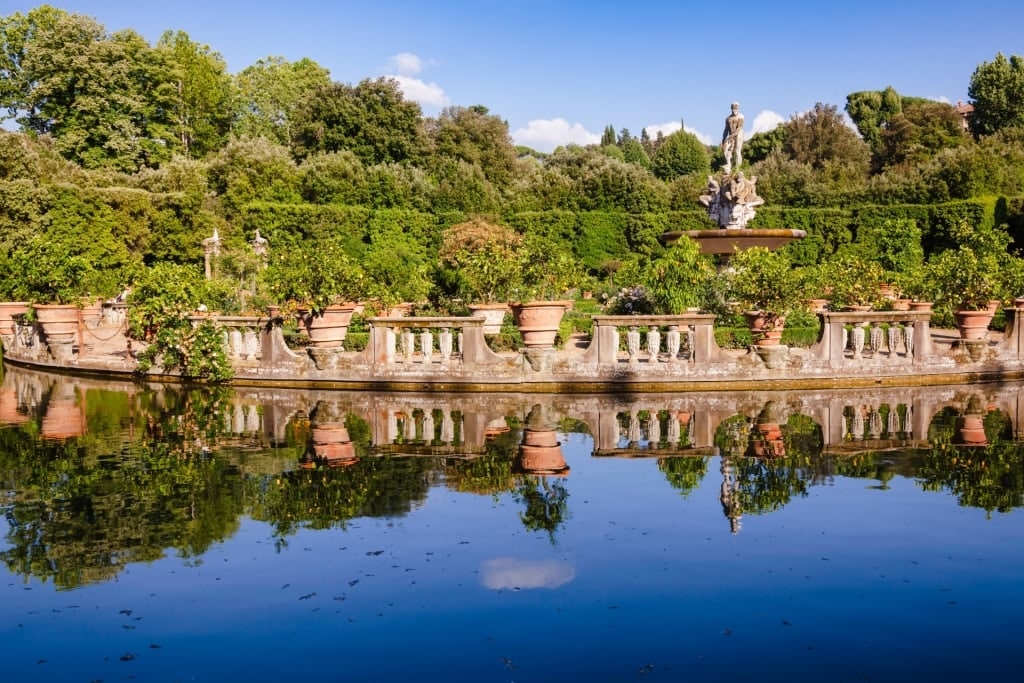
x: 765, y: 121
x: 406, y: 64
x: 544, y: 135
x: 427, y: 94
x: 667, y: 129
x: 509, y: 572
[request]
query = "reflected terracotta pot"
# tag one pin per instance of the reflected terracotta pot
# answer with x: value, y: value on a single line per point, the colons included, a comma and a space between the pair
x: 540, y: 438
x: 63, y: 419
x: 331, y: 442
x: 970, y: 431
x: 9, y: 413
x: 542, y: 459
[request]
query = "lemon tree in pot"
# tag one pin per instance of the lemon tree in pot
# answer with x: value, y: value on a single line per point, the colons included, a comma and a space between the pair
x: 968, y: 285
x: 321, y: 283
x: 549, y: 273
x: 488, y: 261
x: 766, y: 287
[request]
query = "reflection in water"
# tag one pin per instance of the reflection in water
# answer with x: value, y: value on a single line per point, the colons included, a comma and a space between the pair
x: 349, y: 521
x: 509, y: 572
x: 99, y: 475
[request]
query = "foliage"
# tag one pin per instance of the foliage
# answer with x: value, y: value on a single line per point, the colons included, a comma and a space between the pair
x: 764, y: 280
x: 997, y: 92
x: 964, y: 279
x: 313, y: 275
x: 679, y: 154
x: 854, y: 282
x: 46, y: 271
x: 488, y: 257
x: 679, y: 278
x: 549, y: 271
x: 269, y: 93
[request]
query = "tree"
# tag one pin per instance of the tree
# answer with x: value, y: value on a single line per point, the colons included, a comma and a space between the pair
x: 919, y: 132
x: 198, y: 94
x: 633, y: 151
x: 760, y: 145
x: 681, y: 153
x: 997, y: 93
x: 372, y: 119
x: 871, y: 111
x: 608, y: 136
x: 473, y: 135
x: 269, y: 92
x: 821, y: 138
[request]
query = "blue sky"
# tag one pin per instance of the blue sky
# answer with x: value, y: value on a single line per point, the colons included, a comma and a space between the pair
x: 561, y: 70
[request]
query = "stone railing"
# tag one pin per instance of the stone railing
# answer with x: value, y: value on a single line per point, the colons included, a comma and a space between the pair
x: 891, y: 336
x: 243, y: 340
x: 428, y: 340
x: 687, y: 338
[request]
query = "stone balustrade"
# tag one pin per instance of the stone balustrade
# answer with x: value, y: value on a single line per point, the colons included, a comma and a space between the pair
x: 902, y: 337
x: 242, y: 334
x: 687, y: 338
x: 428, y: 340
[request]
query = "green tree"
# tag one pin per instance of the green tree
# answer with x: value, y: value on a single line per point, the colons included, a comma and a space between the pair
x: 681, y: 153
x: 760, y: 145
x: 633, y: 152
x: 373, y: 119
x: 919, y: 132
x: 821, y: 138
x: 473, y: 135
x: 871, y: 111
x: 198, y: 93
x: 269, y: 92
x: 997, y: 93
x: 608, y: 136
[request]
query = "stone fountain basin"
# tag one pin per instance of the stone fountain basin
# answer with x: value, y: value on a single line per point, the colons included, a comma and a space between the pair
x: 731, y: 240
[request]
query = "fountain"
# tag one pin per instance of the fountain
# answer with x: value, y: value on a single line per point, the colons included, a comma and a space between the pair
x: 730, y: 203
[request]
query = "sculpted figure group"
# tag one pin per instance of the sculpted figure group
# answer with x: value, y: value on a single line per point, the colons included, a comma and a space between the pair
x: 730, y: 203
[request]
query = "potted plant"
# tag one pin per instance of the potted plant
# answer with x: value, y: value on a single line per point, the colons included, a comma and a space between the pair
x: 321, y: 283
x: 679, y: 280
x: 767, y: 289
x: 855, y: 284
x: 488, y: 261
x: 968, y: 285
x: 549, y: 273
x: 815, y: 286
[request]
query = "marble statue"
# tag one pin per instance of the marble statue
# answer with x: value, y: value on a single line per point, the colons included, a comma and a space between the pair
x: 732, y: 139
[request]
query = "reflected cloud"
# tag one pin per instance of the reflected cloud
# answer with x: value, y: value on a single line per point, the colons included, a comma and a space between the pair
x: 509, y: 572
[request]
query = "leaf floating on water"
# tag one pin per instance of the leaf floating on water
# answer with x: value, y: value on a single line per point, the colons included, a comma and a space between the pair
x: 154, y: 646
x: 374, y: 553
x: 727, y: 632
x: 128, y: 656
x: 307, y: 596
x: 126, y: 612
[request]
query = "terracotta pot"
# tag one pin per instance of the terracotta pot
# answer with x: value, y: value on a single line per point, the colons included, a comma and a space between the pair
x: 331, y: 441
x: 973, y: 325
x: 329, y: 329
x: 817, y: 304
x: 901, y: 304
x: 857, y: 308
x: 762, y: 330
x: 542, y: 459
x: 59, y: 321
x: 9, y: 309
x: 970, y: 431
x: 9, y: 412
x: 920, y: 305
x: 493, y: 315
x: 92, y: 313
x: 538, y: 322
x: 540, y: 438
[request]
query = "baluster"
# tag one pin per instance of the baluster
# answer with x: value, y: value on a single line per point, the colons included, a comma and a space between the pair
x: 858, y: 340
x: 238, y: 420
x: 908, y: 420
x: 673, y: 429
x: 894, y: 421
x: 633, y: 344
x: 875, y: 339
x: 408, y: 344
x: 653, y: 343
x: 634, y: 429
x: 392, y: 426
x: 409, y: 433
x: 447, y: 427
x: 235, y: 347
x: 444, y: 344
x: 252, y: 420
x: 908, y: 338
x: 390, y: 342
x: 690, y: 336
x: 857, y: 424
x: 894, y: 339
x: 427, y: 344
x: 252, y: 344
x: 875, y: 424
x: 672, y: 343
x: 654, y: 428
x: 428, y: 426
x: 458, y: 340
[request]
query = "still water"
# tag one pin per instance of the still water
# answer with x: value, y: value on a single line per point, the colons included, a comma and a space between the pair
x: 164, y: 534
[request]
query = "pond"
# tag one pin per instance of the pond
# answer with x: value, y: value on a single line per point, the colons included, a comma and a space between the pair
x: 165, y: 533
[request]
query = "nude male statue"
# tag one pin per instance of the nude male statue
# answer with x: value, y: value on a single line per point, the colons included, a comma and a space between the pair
x: 732, y: 138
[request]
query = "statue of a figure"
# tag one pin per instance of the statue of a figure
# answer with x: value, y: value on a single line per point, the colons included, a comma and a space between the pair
x: 731, y: 203
x: 259, y: 244
x: 732, y: 139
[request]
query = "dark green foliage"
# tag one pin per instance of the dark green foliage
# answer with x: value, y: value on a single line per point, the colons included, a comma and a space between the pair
x: 601, y: 238
x: 679, y: 154
x: 997, y: 93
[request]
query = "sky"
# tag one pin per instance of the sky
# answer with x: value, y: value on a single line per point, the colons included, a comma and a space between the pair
x: 560, y: 71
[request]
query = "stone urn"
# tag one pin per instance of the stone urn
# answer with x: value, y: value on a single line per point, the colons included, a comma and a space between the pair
x: 541, y: 453
x: 538, y: 322
x: 493, y: 315
x: 973, y: 325
x: 329, y: 329
x: 765, y: 328
x: 9, y: 309
x: 332, y: 443
x: 59, y: 323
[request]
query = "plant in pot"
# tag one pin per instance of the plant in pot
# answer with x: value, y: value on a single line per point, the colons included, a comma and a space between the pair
x: 549, y: 273
x: 52, y: 279
x: 766, y: 287
x: 679, y: 280
x: 967, y: 285
x: 855, y: 284
x: 321, y: 283
x: 488, y: 261
x: 815, y: 286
